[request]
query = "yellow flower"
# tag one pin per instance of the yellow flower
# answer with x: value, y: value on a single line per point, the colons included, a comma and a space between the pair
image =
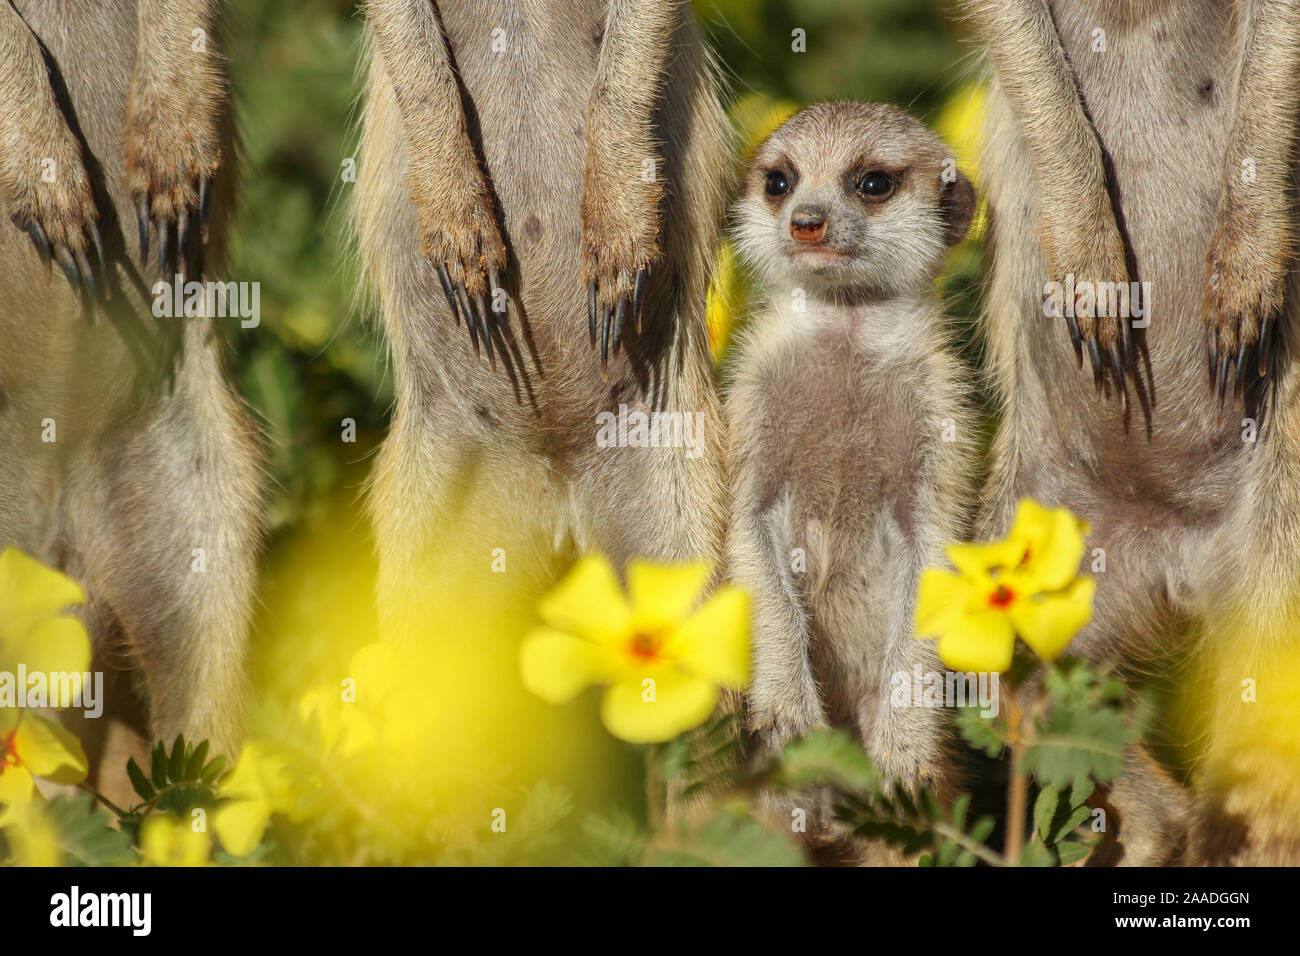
x: 256, y: 788
x: 32, y: 746
x: 34, y: 631
x: 32, y: 836
x: 1025, y: 586
x: 663, y: 659
x: 167, y: 841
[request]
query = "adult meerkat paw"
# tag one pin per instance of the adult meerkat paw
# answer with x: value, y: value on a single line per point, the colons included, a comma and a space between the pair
x: 467, y: 251
x: 620, y: 245
x: 172, y: 147
x: 52, y: 201
x: 1246, y: 269
x: 1096, y: 269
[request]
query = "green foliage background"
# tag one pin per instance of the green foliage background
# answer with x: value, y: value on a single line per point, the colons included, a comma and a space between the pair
x: 316, y: 358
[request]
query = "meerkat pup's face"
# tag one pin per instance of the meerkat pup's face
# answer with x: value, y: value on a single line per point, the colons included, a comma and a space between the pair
x: 851, y: 199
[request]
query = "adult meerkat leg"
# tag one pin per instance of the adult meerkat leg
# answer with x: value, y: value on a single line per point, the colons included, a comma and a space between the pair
x: 459, y: 229
x: 621, y: 189
x: 1253, y: 243
x: 173, y: 130
x: 1077, y: 222
x: 42, y: 170
x: 166, y: 513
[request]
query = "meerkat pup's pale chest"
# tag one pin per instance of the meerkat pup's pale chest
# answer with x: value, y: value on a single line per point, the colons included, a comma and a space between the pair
x: 851, y: 446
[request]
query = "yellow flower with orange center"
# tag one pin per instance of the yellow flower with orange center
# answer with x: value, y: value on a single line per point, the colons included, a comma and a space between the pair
x: 663, y: 654
x: 1026, y: 585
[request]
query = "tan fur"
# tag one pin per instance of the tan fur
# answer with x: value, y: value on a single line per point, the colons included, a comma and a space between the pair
x: 1140, y: 149
x: 838, y: 412
x: 154, y: 455
x: 528, y: 160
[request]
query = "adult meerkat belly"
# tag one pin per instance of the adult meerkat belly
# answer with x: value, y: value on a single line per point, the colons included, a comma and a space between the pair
x: 1159, y: 88
x: 527, y: 69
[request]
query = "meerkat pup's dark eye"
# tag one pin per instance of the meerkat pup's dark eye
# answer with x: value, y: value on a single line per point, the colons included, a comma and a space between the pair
x: 778, y: 183
x: 875, y: 186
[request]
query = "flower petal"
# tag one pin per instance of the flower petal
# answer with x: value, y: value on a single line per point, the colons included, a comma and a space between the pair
x: 31, y: 593
x: 240, y: 825
x: 713, y: 643
x: 974, y: 560
x: 1049, y: 622
x: 57, y: 645
x: 657, y: 705
x: 942, y: 600
x: 664, y: 594
x: 49, y: 751
x: 982, y: 642
x: 16, y: 790
x: 557, y: 666
x: 1053, y: 539
x: 589, y: 602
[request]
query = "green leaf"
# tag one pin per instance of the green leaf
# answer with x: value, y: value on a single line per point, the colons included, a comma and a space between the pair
x: 158, y: 769
x: 213, y: 770
x: 176, y: 766
x: 982, y: 733
x: 1045, y: 808
x: 1072, y: 851
x: 728, y: 838
x: 1076, y: 744
x: 139, y: 781
x: 86, y: 834
x: 194, y: 765
x: 826, y: 757
x: 1035, y: 854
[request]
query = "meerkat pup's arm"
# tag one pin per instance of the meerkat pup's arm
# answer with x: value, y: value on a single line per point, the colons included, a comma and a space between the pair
x: 1253, y: 241
x: 457, y: 215
x: 42, y: 172
x: 1076, y: 219
x: 172, y: 129
x: 620, y: 197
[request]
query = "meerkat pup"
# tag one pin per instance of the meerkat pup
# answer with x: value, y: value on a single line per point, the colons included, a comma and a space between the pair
x: 542, y: 187
x: 1150, y: 145
x: 851, y: 446
x: 126, y: 458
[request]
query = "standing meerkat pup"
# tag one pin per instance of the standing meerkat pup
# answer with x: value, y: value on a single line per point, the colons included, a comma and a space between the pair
x: 126, y: 459
x: 851, y: 445
x: 1153, y: 142
x: 541, y: 191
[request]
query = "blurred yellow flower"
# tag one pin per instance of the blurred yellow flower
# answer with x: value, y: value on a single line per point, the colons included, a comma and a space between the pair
x: 34, y: 629
x: 31, y: 835
x: 662, y: 653
x: 256, y: 788
x: 1026, y: 585
x: 30, y: 747
x: 167, y: 841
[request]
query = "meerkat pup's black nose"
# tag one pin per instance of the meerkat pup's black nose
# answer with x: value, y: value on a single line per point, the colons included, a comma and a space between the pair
x: 808, y: 223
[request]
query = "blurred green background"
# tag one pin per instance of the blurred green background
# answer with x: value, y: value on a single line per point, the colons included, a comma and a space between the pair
x: 316, y: 359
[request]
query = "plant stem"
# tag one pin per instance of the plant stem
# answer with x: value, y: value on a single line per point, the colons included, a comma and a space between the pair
x: 1018, y: 786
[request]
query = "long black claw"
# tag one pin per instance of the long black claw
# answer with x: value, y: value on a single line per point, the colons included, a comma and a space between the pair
x: 604, y: 340
x: 1223, y: 378
x: 591, y: 311
x: 142, y: 220
x: 1265, y: 344
x: 1094, y: 355
x: 620, y: 317
x: 1243, y: 352
x: 1212, y: 355
x: 503, y: 317
x: 1117, y: 369
x: 481, y: 302
x: 1077, y: 342
x: 161, y: 225
x: 467, y: 313
x: 183, y: 240
x: 40, y: 241
x: 98, y: 240
x: 1127, y: 327
x: 445, y: 281
x: 205, y: 206
x: 638, y: 296
x: 87, y: 274
x: 69, y: 267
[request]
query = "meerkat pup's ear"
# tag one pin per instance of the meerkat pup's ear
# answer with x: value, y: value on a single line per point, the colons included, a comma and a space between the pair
x: 957, y: 205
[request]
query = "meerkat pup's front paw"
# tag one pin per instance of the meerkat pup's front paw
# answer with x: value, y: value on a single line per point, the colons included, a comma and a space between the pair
x: 49, y: 196
x: 172, y: 143
x: 1089, y: 263
x: 1246, y: 267
x: 620, y: 233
